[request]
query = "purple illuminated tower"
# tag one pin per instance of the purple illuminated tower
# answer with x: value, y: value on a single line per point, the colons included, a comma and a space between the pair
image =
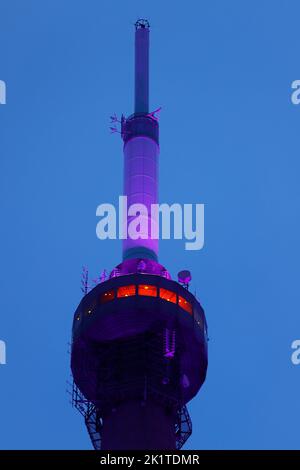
x: 139, y: 346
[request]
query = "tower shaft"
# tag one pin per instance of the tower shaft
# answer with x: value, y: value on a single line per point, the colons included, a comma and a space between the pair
x: 138, y: 425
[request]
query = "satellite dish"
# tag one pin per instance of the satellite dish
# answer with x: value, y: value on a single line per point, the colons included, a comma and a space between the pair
x: 184, y: 277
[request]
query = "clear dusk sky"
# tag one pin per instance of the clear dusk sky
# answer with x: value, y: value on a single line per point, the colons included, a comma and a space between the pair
x: 229, y: 134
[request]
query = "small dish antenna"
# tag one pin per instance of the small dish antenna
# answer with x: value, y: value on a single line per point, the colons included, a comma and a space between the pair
x: 184, y: 278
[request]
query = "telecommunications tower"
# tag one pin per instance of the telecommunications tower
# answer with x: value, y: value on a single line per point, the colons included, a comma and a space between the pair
x: 139, y: 338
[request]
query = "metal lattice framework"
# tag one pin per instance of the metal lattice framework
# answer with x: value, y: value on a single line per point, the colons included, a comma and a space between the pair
x: 91, y: 416
x: 183, y: 427
x: 93, y: 420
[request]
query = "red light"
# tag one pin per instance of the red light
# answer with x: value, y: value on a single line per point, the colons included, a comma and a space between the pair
x: 185, y: 304
x: 107, y: 296
x: 167, y: 295
x: 126, y: 291
x: 150, y: 291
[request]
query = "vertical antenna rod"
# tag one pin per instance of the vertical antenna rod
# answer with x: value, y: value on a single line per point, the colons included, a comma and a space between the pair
x: 141, y: 104
x: 141, y: 152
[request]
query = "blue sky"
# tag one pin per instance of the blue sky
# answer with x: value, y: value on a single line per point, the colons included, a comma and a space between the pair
x: 222, y: 72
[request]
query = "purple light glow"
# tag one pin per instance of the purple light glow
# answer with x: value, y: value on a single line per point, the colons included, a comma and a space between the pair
x: 169, y: 343
x: 141, y: 187
x: 132, y: 266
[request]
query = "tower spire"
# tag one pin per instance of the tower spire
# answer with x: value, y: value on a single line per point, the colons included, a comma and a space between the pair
x: 141, y: 103
x: 141, y: 154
